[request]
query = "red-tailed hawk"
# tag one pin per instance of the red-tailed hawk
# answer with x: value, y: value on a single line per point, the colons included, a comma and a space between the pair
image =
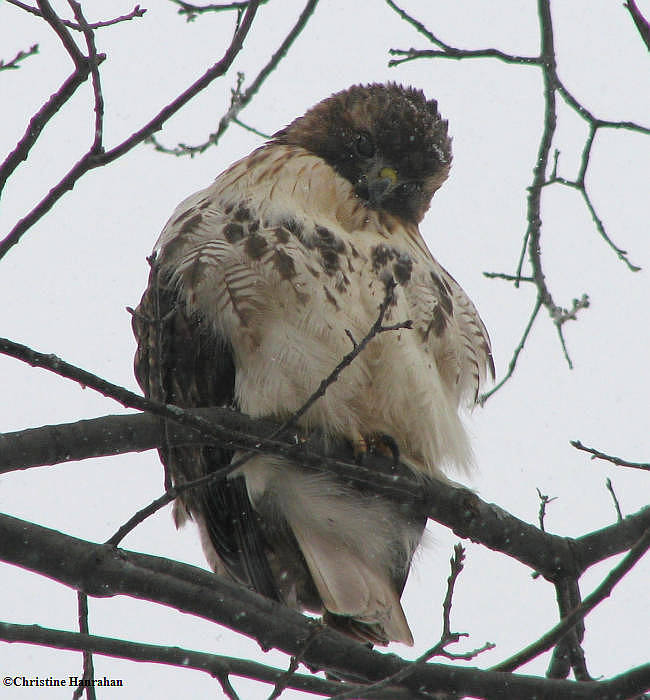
x: 256, y: 282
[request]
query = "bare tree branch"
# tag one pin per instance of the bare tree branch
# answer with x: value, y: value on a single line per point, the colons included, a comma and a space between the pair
x: 459, y: 509
x: 239, y: 99
x: 88, y: 669
x: 93, y: 160
x: 253, y: 130
x: 447, y: 51
x: 14, y: 63
x: 590, y: 602
x: 118, y: 434
x: 376, y: 328
x: 617, y: 505
x: 544, y: 500
x: 532, y: 238
x: 507, y: 277
x: 38, y: 122
x: 447, y: 636
x: 50, y: 16
x: 94, y: 60
x: 515, y: 356
x: 136, y: 12
x: 192, y: 11
x: 101, y: 570
x: 285, y: 680
x: 639, y: 20
x: 597, y: 454
x: 173, y: 656
x: 457, y: 54
x: 579, y: 185
x: 531, y: 247
x: 97, y: 570
x: 568, y: 654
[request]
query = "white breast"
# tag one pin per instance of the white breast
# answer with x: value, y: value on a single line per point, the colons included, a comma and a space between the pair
x: 285, y: 300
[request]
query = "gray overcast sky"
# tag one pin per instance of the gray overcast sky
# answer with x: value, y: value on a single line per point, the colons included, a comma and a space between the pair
x: 65, y: 288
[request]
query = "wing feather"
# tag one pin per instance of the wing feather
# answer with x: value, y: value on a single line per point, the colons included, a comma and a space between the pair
x: 180, y: 360
x: 462, y: 341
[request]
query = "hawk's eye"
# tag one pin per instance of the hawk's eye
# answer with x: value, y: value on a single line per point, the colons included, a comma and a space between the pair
x: 365, y: 146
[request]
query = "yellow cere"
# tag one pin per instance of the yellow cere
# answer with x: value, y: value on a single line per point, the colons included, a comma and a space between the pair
x: 389, y: 174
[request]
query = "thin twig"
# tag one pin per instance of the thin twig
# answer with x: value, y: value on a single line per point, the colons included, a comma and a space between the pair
x: 143, y: 513
x: 590, y: 118
x: 88, y: 669
x: 192, y: 11
x: 447, y: 51
x: 600, y: 227
x: 508, y: 278
x: 544, y: 500
x: 252, y: 129
x: 94, y: 60
x: 283, y: 682
x: 376, y: 328
x: 136, y: 12
x: 239, y: 99
x: 458, y: 54
x: 457, y: 563
x: 597, y: 454
x: 579, y: 184
x: 448, y: 637
x: 53, y: 105
x: 416, y: 24
x: 610, y: 488
x: 515, y: 356
x: 14, y: 63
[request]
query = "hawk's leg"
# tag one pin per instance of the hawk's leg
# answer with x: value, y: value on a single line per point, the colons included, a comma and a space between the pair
x: 359, y: 447
x: 377, y: 443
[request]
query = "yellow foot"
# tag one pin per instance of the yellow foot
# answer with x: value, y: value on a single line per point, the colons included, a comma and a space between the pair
x: 359, y: 447
x: 378, y: 443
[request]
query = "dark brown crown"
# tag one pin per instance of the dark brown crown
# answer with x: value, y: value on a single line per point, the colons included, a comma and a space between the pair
x: 389, y: 124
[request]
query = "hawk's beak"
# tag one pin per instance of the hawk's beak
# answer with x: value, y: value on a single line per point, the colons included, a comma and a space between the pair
x: 375, y: 185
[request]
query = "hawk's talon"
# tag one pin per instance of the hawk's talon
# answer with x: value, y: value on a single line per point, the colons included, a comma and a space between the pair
x: 387, y: 446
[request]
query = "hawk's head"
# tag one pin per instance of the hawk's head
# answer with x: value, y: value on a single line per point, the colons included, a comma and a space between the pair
x: 389, y: 141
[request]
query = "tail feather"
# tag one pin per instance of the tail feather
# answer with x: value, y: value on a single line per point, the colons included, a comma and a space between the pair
x: 350, y: 587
